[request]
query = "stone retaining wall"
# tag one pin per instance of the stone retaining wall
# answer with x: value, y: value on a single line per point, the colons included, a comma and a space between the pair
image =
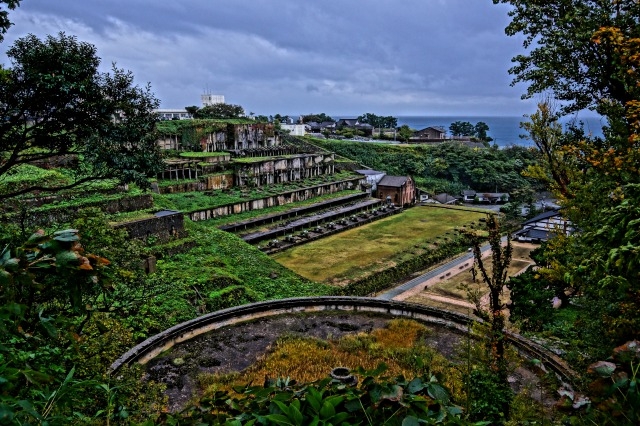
x: 66, y: 213
x: 206, y: 183
x: 163, y: 341
x: 275, y: 200
x: 162, y: 227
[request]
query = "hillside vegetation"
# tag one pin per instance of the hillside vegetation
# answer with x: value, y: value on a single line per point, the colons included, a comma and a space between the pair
x: 445, y: 167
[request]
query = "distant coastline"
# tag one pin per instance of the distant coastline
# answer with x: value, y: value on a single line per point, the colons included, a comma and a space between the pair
x: 505, y: 131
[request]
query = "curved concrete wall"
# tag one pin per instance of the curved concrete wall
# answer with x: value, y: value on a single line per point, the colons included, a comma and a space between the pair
x: 161, y: 342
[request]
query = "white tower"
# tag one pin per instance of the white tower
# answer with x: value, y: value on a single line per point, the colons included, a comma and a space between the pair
x: 209, y: 99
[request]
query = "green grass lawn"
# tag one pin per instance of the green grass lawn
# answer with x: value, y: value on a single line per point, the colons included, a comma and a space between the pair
x: 351, y: 254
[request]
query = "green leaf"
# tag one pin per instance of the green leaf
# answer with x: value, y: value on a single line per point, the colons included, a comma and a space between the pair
x: 48, y: 326
x: 437, y: 392
x: 454, y: 410
x: 314, y: 398
x: 68, y: 259
x: 11, y: 265
x: 295, y: 414
x: 602, y: 368
x: 26, y: 406
x: 5, y: 277
x: 6, y: 414
x: 36, y: 377
x: 67, y: 238
x: 327, y: 411
x: 279, y: 419
x: 415, y: 385
x: 36, y: 239
x: 410, y: 421
x: 5, y: 255
x: 283, y: 407
x: 65, y: 232
x: 339, y: 418
x: 335, y: 400
x: 353, y: 405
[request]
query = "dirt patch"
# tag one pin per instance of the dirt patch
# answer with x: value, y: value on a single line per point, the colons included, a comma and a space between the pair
x: 234, y: 348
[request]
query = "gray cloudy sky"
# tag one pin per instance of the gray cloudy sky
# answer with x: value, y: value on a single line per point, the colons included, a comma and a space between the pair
x: 342, y: 57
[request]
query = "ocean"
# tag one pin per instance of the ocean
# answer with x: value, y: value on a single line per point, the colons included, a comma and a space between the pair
x: 505, y: 131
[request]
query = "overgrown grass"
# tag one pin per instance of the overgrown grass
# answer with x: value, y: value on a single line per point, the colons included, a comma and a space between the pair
x: 202, y: 154
x: 349, y: 255
x: 218, y: 252
x: 131, y: 216
x: 193, y: 201
x: 261, y: 159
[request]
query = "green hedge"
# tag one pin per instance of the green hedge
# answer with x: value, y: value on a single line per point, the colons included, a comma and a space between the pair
x: 384, y: 279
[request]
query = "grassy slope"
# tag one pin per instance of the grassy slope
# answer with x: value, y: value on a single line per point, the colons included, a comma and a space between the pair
x: 220, y: 252
x: 373, y: 246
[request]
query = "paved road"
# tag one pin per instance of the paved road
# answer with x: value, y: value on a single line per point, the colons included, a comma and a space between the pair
x: 456, y: 262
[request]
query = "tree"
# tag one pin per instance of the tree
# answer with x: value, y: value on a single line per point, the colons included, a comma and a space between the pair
x: 192, y: 110
x: 4, y: 15
x: 220, y: 111
x: 317, y: 118
x: 54, y: 103
x: 557, y: 168
x: 501, y: 258
x: 564, y: 59
x: 480, y: 131
x: 404, y: 133
x: 462, y: 128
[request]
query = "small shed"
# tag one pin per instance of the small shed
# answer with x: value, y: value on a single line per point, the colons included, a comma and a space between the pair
x: 400, y: 190
x: 430, y: 134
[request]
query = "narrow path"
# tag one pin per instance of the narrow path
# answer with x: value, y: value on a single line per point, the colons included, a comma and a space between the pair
x: 417, y: 284
x: 450, y: 300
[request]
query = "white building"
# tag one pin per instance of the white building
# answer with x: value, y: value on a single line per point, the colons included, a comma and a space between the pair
x: 543, y: 227
x: 172, y: 114
x: 372, y: 177
x: 294, y: 129
x: 209, y: 99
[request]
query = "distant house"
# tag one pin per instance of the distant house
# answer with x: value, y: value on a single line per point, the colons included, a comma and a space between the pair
x: 353, y: 123
x: 400, y: 190
x: 314, y: 127
x: 429, y: 134
x: 172, y: 114
x: 331, y: 125
x: 347, y: 122
x: 372, y: 177
x: 468, y: 195
x: 444, y: 198
x: 471, y: 196
x: 543, y: 227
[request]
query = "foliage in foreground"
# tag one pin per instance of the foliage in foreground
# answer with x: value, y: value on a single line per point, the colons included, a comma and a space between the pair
x: 57, y: 107
x: 375, y: 401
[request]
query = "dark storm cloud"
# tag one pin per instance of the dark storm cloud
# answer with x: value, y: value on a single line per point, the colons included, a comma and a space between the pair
x: 342, y: 57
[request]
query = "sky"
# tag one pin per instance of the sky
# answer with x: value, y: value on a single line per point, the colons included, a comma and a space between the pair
x: 341, y: 57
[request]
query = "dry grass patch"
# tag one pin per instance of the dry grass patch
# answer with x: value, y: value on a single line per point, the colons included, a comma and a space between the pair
x: 400, y: 345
